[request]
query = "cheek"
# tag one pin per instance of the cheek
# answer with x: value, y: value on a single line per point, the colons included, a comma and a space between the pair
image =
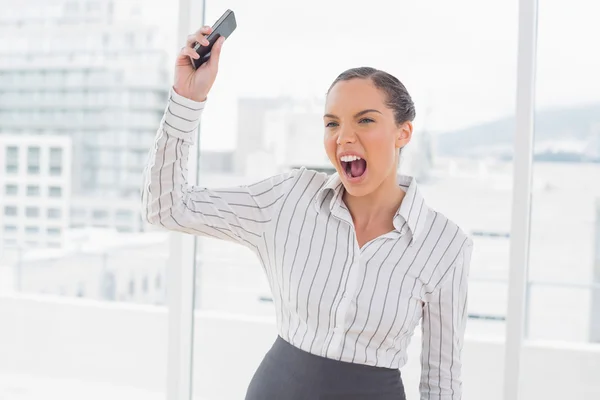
x: 330, y: 146
x: 380, y: 147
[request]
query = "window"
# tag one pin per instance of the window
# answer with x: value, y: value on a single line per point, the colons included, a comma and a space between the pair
x: 33, y: 190
x: 11, y: 190
x: 32, y: 212
x: 12, y: 160
x: 55, y: 191
x: 10, y: 229
x: 54, y: 231
x: 78, y: 213
x: 32, y: 230
x: 33, y: 160
x: 54, y: 213
x: 131, y: 287
x: 56, y: 161
x: 124, y: 215
x: 100, y: 214
x: 10, y: 211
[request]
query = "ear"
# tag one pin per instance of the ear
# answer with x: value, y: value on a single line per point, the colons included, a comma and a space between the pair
x: 404, y: 134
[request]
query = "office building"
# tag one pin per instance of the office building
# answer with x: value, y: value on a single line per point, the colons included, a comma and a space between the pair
x: 91, y: 71
x: 35, y: 180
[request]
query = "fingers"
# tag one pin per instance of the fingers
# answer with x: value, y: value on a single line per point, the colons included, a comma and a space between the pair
x: 199, y: 36
x: 188, y: 52
x: 215, y: 54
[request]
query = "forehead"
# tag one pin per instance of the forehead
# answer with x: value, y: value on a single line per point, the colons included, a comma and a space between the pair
x: 356, y: 94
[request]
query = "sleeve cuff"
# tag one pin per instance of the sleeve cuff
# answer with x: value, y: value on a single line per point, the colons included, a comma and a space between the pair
x: 182, y: 116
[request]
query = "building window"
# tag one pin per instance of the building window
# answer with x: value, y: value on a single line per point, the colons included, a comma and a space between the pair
x: 11, y: 190
x: 56, y: 161
x: 78, y: 213
x: 33, y: 190
x: 54, y: 231
x: 100, y: 214
x: 32, y: 212
x: 55, y: 191
x: 54, y: 213
x: 124, y: 215
x: 33, y: 160
x: 131, y: 287
x: 32, y: 230
x: 10, y: 211
x: 55, y: 171
x: 12, y: 160
x: 10, y: 229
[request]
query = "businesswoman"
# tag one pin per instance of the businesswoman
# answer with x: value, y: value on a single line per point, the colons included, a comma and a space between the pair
x: 354, y: 260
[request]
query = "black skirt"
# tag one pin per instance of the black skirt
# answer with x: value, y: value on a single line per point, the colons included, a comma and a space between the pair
x: 288, y: 373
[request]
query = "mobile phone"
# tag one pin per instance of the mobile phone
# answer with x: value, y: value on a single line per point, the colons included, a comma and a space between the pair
x: 223, y: 27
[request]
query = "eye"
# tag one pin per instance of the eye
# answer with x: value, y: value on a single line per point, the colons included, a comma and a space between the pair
x: 331, y: 124
x: 366, y: 120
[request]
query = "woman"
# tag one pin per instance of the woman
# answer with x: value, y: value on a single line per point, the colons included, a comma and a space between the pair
x: 354, y: 261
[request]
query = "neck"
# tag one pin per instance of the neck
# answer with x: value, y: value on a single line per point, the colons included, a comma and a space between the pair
x: 379, y: 206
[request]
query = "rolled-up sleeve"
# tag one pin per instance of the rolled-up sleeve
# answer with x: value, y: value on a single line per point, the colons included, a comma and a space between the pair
x: 238, y: 214
x: 443, y: 327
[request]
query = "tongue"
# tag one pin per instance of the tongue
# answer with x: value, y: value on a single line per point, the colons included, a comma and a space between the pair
x: 357, y: 168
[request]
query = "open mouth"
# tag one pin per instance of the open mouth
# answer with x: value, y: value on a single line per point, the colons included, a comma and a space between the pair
x: 353, y: 166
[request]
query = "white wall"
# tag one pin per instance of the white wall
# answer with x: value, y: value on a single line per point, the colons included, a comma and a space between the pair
x: 126, y: 345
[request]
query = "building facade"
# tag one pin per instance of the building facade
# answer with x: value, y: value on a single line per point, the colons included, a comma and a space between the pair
x: 93, y: 71
x: 35, y: 180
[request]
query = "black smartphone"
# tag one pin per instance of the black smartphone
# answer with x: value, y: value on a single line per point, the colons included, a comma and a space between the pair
x: 223, y: 27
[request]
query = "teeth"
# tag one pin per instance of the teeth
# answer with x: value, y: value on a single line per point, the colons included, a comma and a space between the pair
x: 349, y: 158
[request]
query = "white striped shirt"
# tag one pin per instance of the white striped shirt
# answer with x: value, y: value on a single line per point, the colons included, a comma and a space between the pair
x: 332, y: 298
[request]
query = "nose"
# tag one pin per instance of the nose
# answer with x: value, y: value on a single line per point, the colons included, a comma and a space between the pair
x: 346, y: 135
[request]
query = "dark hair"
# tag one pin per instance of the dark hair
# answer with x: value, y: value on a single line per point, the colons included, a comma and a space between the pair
x: 398, y: 98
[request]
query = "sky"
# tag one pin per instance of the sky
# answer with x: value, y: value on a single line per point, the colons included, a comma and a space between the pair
x: 457, y: 58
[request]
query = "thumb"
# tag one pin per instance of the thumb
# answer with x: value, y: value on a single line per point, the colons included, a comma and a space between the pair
x: 215, y: 53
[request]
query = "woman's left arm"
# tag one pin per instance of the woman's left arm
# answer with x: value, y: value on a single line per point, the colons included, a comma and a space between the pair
x: 443, y: 327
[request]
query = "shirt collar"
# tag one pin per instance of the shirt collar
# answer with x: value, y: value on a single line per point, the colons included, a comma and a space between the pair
x: 412, y: 212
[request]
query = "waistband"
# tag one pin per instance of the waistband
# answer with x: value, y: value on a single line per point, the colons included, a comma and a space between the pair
x: 307, y: 363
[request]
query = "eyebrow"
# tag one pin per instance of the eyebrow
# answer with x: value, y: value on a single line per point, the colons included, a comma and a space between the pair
x: 358, y: 114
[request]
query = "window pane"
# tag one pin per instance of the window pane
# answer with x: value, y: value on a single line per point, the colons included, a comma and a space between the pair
x: 460, y: 72
x: 563, y: 290
x: 12, y: 160
x: 33, y: 190
x: 31, y: 230
x: 33, y: 160
x: 64, y: 131
x: 124, y: 215
x: 10, y: 229
x: 32, y: 212
x: 100, y: 214
x: 56, y: 161
x: 54, y: 213
x: 10, y: 211
x: 55, y: 191
x: 11, y: 190
x: 54, y: 231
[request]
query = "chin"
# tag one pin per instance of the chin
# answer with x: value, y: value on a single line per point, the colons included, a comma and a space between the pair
x: 356, y: 192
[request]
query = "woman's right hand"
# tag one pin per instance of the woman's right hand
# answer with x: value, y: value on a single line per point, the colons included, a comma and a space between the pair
x: 196, y: 83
